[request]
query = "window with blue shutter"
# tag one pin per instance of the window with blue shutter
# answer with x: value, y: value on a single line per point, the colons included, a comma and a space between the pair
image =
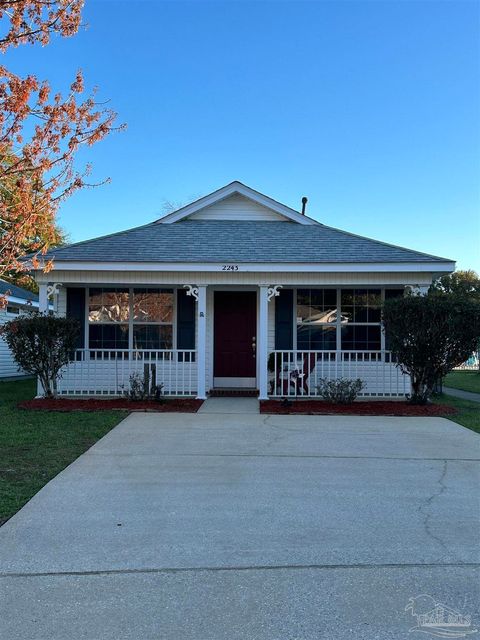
x: 76, y: 309
x: 284, y: 320
x: 185, y: 320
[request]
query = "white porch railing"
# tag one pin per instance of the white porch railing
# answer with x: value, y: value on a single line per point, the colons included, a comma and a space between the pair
x: 106, y: 372
x: 472, y: 364
x: 298, y: 373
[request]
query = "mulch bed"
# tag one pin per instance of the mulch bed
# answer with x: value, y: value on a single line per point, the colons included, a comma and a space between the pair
x: 171, y: 405
x: 367, y: 408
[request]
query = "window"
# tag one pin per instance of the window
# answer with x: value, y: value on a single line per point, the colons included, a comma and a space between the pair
x: 130, y: 318
x: 152, y: 318
x: 361, y: 338
x: 316, y: 319
x: 361, y: 319
x: 15, y: 311
x: 355, y: 324
x: 108, y: 336
x: 108, y: 318
x: 361, y: 305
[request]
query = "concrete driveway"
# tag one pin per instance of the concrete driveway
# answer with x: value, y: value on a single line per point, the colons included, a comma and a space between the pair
x: 216, y: 526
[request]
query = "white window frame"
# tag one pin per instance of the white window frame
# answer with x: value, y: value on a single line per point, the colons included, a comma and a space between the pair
x: 338, y: 323
x: 131, y: 322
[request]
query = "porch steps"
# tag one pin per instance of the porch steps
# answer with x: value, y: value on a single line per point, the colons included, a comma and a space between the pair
x: 233, y: 393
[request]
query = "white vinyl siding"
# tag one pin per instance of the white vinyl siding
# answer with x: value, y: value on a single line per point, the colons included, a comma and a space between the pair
x: 60, y: 302
x: 237, y: 207
x: 8, y: 366
x: 285, y: 278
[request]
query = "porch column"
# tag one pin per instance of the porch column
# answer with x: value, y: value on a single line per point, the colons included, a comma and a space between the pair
x: 202, y: 341
x: 262, y: 343
x: 43, y: 297
x: 42, y: 307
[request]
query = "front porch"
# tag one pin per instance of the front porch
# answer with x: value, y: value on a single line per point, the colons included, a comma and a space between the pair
x: 195, y: 339
x: 102, y: 372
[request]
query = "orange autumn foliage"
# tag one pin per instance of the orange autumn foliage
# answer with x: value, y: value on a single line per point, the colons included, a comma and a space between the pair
x: 40, y: 134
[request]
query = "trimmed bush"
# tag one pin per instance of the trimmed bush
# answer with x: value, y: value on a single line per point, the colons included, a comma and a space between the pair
x: 340, y: 390
x: 429, y: 336
x: 42, y: 344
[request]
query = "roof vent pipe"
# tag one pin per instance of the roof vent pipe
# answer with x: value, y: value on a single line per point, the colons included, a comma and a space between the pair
x: 304, y: 204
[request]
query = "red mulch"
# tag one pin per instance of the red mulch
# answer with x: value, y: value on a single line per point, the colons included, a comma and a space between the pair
x: 171, y: 405
x: 367, y: 408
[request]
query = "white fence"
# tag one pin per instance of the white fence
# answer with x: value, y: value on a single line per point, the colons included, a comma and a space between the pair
x: 106, y: 372
x: 298, y: 373
x: 472, y: 364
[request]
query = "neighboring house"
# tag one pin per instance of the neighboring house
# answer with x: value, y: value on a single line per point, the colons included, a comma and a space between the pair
x: 199, y: 299
x: 18, y: 301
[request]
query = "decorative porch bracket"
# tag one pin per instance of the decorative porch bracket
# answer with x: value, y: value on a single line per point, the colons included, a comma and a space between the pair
x: 273, y: 291
x: 53, y: 293
x: 52, y: 289
x: 417, y: 290
x: 192, y: 290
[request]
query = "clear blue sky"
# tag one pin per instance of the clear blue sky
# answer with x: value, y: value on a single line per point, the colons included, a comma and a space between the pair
x: 371, y: 109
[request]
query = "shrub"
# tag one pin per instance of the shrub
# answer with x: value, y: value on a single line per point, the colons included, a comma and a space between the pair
x: 42, y: 344
x: 429, y: 336
x: 340, y: 390
x: 142, y: 388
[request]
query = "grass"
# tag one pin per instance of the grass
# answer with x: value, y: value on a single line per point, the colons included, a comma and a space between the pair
x: 464, y: 380
x: 468, y: 412
x: 36, y: 445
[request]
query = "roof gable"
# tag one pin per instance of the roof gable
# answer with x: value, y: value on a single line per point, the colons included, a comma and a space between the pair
x: 236, y: 201
x: 237, y: 207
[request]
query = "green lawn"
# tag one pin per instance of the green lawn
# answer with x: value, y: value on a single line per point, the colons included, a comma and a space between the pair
x: 36, y: 445
x: 464, y: 380
x: 468, y: 412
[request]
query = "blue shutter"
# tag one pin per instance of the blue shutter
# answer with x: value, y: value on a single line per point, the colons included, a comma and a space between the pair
x: 185, y: 320
x: 76, y: 309
x: 284, y: 320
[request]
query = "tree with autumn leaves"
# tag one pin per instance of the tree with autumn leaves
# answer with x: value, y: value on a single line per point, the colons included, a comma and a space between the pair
x: 40, y: 134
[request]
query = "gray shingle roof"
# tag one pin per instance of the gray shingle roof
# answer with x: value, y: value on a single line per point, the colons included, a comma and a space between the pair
x: 236, y: 241
x: 17, y: 292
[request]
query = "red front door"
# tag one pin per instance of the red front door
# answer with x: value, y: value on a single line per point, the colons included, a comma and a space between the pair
x: 235, y: 336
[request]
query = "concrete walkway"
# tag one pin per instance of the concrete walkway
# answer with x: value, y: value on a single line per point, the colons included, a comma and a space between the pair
x: 230, y: 406
x: 459, y: 393
x: 246, y: 526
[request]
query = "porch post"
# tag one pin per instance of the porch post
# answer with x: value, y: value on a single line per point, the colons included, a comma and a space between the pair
x: 202, y: 341
x: 42, y: 307
x: 262, y: 343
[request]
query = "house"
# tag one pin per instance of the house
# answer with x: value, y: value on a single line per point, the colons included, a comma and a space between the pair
x: 199, y: 300
x: 19, y: 300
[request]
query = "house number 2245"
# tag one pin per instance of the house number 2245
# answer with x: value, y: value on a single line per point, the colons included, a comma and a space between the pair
x: 230, y: 267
